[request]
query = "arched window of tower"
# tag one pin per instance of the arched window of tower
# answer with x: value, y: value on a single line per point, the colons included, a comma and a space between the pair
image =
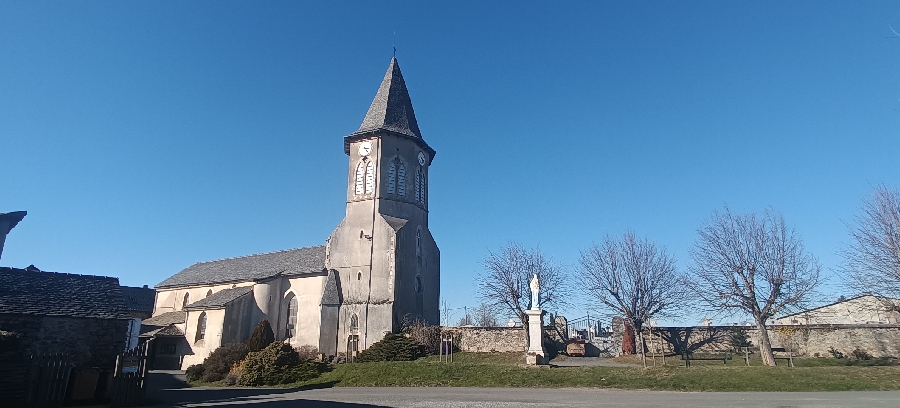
x: 418, y: 284
x: 418, y: 184
x: 401, y: 180
x: 354, y: 323
x: 209, y: 293
x: 186, y: 301
x: 424, y: 189
x: 370, y: 177
x: 392, y: 177
x: 360, y: 176
x: 418, y: 242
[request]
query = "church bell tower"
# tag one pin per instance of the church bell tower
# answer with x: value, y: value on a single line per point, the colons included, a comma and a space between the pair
x: 383, y: 254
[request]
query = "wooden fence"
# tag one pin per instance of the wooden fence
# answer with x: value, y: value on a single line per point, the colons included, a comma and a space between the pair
x: 48, y: 378
x: 130, y: 378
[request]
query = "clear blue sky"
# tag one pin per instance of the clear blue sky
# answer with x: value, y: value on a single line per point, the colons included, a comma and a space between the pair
x: 142, y: 137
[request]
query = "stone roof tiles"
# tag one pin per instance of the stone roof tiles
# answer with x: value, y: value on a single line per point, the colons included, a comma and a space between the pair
x: 139, y: 299
x: 219, y: 299
x: 250, y: 268
x: 391, y: 112
x: 33, y: 292
x: 166, y: 331
x: 392, y: 109
x: 164, y: 319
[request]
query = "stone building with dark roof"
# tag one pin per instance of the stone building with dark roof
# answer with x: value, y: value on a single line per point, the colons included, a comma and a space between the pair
x: 379, y: 267
x: 81, y: 315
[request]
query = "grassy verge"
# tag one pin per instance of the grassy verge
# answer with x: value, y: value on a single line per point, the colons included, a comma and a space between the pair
x: 756, y: 361
x: 502, y: 370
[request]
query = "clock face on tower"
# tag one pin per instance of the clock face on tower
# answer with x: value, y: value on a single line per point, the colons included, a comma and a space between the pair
x: 365, y: 148
x: 421, y: 158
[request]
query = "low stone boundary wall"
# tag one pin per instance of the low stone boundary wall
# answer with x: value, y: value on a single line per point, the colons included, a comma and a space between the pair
x: 808, y: 340
x: 488, y: 339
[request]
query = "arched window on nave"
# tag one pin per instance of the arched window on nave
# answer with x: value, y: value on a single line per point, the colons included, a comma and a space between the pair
x: 201, y: 327
x: 292, y: 310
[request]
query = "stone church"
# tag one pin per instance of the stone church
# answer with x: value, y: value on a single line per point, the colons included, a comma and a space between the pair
x: 380, y: 265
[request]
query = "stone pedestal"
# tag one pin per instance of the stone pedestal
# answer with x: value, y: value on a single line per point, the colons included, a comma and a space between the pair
x: 536, y: 354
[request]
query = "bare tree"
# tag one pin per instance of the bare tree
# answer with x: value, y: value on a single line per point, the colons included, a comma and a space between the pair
x: 873, y: 256
x: 484, y: 315
x: 504, y: 283
x: 632, y: 277
x: 445, y: 312
x: 752, y: 264
x: 466, y: 320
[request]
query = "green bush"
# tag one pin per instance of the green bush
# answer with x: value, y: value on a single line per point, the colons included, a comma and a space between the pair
x: 261, y: 337
x: 424, y: 334
x: 861, y: 354
x: 194, y: 372
x: 835, y: 352
x: 393, y: 347
x: 220, y: 361
x: 276, y: 364
x: 738, y: 339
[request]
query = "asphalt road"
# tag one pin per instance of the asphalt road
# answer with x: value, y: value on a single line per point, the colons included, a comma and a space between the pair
x: 163, y: 388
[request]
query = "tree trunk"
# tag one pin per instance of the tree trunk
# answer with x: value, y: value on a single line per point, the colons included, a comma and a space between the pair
x: 765, y: 347
x: 628, y: 339
x: 640, y: 333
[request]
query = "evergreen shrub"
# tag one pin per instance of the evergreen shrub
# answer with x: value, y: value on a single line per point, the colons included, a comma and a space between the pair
x: 427, y: 335
x: 276, y: 364
x: 219, y: 363
x: 738, y: 338
x: 261, y: 337
x: 194, y: 372
x: 393, y: 347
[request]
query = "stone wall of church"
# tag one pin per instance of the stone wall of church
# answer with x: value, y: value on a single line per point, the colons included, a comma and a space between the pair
x: 806, y: 340
x: 89, y: 342
x: 213, y: 336
x: 308, y: 292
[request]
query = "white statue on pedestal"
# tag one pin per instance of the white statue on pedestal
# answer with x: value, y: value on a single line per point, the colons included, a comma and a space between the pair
x: 536, y: 354
x: 535, y: 293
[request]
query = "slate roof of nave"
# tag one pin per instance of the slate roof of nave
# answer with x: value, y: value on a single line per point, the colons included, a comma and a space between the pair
x: 33, y: 292
x: 220, y: 298
x: 256, y: 267
x: 165, y: 319
x: 165, y: 331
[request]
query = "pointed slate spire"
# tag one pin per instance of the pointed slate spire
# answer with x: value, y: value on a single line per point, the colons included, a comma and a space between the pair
x: 392, y: 109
